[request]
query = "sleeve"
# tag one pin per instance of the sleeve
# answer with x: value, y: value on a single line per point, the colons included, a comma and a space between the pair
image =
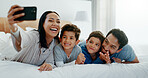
x: 50, y: 60
x: 98, y: 61
x: 58, y: 57
x: 127, y: 53
x: 27, y: 37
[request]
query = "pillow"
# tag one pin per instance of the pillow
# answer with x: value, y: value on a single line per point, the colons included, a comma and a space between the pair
x: 7, y: 50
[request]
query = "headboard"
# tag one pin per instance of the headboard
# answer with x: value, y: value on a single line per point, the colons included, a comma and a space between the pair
x: 4, y: 25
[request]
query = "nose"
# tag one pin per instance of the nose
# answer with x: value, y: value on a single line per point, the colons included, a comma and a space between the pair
x: 106, y: 48
x: 67, y: 40
x: 55, y: 24
x: 92, y: 45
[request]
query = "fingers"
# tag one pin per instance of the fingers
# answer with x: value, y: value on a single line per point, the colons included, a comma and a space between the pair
x: 11, y: 17
x: 45, y: 67
x: 80, y: 59
x: 13, y: 10
x: 12, y: 7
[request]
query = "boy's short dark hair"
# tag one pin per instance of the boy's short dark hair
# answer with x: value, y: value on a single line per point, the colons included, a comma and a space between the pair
x: 120, y: 35
x: 71, y: 27
x: 97, y: 34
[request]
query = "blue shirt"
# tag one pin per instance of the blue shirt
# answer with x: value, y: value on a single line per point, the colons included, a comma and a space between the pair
x: 127, y: 53
x: 88, y: 57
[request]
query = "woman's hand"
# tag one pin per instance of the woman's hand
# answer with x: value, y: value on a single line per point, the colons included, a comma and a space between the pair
x: 11, y: 17
x: 80, y: 59
x: 45, y: 67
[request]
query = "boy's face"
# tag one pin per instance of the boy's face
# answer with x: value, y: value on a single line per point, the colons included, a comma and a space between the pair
x: 110, y: 44
x: 93, y: 45
x: 68, y: 40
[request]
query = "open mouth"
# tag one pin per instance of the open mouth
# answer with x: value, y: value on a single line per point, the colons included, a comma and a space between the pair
x: 53, y: 29
x: 66, y: 44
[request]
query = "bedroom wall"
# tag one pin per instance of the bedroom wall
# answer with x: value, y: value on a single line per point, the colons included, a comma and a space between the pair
x: 66, y: 8
x: 132, y: 17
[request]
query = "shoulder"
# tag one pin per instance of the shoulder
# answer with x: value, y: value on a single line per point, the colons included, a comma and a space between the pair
x: 58, y: 46
x: 33, y: 33
x: 76, y: 47
x: 127, y: 48
x: 82, y: 43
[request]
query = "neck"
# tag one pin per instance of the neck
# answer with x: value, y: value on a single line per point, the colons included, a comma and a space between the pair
x: 93, y: 56
x: 49, y: 39
x: 68, y: 51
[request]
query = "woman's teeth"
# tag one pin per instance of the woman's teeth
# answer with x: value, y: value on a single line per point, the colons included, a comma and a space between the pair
x: 53, y: 29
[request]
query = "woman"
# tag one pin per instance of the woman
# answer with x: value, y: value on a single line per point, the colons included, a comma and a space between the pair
x: 35, y: 47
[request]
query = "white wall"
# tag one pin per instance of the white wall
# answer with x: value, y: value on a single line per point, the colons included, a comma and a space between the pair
x: 66, y: 8
x: 132, y: 17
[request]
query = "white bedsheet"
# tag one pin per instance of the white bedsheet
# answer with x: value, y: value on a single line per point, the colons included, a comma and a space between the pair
x: 9, y: 69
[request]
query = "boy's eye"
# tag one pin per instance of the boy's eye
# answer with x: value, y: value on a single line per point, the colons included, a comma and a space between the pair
x: 58, y: 22
x: 90, y: 42
x: 71, y: 37
x: 97, y: 44
x: 64, y: 36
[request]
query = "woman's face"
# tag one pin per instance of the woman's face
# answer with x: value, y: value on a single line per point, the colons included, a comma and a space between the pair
x: 52, y: 25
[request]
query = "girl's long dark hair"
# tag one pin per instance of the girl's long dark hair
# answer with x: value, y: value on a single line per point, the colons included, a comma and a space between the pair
x: 41, y: 30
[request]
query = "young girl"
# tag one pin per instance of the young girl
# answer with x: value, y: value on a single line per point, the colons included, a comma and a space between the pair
x: 92, y: 47
x: 35, y: 47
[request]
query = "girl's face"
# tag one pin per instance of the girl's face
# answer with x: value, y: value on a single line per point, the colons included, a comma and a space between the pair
x: 93, y: 45
x: 52, y: 25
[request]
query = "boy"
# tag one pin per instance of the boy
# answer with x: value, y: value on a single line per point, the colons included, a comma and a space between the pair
x: 92, y: 47
x: 67, y: 51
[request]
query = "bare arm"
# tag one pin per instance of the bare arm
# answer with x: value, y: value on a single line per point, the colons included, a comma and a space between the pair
x: 13, y: 27
x: 126, y: 62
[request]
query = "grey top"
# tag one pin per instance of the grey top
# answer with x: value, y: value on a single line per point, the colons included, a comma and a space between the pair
x: 31, y: 51
x: 61, y: 58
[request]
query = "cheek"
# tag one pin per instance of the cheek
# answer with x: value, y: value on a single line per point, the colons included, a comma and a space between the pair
x: 97, y: 48
x: 112, y: 51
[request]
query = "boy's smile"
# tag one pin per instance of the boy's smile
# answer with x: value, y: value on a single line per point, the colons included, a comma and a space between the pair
x: 68, y: 40
x: 93, y: 45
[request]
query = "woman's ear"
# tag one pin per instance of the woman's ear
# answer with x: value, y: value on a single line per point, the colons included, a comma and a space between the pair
x: 77, y: 42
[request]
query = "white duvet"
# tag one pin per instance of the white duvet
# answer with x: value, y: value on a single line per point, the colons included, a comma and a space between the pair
x: 10, y: 69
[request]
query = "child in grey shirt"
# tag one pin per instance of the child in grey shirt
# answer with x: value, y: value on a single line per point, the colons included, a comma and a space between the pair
x: 67, y: 52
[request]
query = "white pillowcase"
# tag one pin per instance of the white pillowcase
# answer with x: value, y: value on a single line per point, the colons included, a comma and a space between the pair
x: 7, y: 50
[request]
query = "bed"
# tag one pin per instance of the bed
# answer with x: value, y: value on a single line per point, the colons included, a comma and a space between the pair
x: 11, y: 69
